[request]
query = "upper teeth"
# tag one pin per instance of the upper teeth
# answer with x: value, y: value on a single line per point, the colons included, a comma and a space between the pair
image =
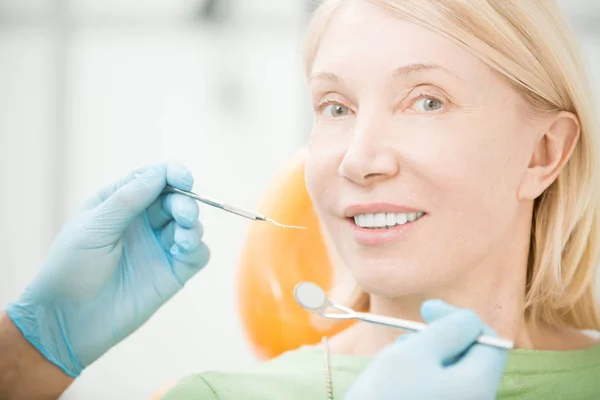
x: 382, y: 220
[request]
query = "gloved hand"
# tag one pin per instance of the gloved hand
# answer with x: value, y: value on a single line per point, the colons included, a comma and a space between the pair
x: 441, y: 362
x: 111, y: 267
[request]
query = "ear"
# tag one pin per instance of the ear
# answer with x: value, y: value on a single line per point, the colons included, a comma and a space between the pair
x: 551, y: 153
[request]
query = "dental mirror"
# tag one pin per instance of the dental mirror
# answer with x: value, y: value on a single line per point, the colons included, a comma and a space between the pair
x: 310, y: 296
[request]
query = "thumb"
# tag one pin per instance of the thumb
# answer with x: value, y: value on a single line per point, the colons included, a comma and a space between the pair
x: 432, y: 310
x: 130, y: 200
x: 449, y: 337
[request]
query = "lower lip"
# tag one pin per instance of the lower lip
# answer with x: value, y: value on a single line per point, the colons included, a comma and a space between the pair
x: 376, y: 237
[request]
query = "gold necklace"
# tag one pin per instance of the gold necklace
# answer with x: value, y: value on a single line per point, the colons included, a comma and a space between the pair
x: 327, y: 369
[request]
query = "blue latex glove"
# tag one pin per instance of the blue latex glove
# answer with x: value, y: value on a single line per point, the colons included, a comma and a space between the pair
x: 441, y: 362
x: 111, y: 267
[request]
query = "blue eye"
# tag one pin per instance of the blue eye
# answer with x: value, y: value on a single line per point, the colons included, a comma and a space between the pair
x: 335, y: 110
x: 429, y: 104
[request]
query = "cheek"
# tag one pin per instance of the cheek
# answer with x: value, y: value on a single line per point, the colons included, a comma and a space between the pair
x: 311, y: 176
x: 468, y: 151
x: 472, y: 171
x: 472, y: 177
x: 326, y: 151
x: 321, y: 177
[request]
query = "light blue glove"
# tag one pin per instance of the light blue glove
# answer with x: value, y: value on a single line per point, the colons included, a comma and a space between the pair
x: 441, y: 362
x: 111, y: 267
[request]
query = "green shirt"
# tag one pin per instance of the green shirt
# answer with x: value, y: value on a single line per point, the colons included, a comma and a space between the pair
x: 299, y: 375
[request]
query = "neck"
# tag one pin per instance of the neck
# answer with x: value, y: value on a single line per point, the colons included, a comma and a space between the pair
x: 498, y: 300
x: 494, y: 289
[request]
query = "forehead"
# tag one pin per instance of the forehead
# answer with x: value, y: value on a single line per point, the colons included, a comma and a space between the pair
x: 362, y: 37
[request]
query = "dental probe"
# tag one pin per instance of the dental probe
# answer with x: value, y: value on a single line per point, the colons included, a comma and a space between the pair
x: 227, y: 207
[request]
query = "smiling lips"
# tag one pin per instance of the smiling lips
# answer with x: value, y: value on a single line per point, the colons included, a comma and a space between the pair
x: 380, y: 223
x: 386, y: 220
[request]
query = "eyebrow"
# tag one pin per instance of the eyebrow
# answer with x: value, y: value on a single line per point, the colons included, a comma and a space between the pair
x: 410, y: 68
x: 398, y: 72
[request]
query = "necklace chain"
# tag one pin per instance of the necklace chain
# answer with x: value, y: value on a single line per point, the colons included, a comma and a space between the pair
x: 327, y: 368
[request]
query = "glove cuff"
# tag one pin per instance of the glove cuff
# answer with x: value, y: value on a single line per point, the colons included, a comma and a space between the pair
x: 49, y: 339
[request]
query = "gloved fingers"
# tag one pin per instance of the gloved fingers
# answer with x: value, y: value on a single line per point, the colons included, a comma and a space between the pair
x: 186, y: 263
x: 177, y: 176
x: 450, y: 336
x: 166, y: 236
x: 159, y: 212
x: 483, y: 363
x: 103, y: 194
x: 432, y: 310
x: 173, y: 206
x: 130, y: 200
x: 486, y: 360
x: 187, y: 239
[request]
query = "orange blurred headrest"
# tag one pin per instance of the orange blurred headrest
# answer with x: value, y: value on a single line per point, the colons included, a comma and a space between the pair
x: 274, y: 260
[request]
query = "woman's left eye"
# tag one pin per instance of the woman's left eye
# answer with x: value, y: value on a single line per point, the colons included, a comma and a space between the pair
x: 428, y: 104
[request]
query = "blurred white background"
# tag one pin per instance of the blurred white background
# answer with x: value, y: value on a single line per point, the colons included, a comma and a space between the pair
x: 90, y: 89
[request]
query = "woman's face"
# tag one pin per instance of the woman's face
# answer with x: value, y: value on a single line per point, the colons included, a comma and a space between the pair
x: 417, y: 153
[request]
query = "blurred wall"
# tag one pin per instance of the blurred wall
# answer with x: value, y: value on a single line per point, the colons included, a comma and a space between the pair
x: 90, y: 89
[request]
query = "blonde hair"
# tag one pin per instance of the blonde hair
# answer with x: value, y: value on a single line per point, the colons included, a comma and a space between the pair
x: 532, y: 45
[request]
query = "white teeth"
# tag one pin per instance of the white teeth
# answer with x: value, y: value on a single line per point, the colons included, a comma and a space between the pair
x: 359, y: 220
x: 401, y: 219
x: 390, y: 219
x: 383, y: 220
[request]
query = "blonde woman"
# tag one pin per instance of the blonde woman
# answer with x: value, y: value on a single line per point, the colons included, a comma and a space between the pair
x: 453, y: 157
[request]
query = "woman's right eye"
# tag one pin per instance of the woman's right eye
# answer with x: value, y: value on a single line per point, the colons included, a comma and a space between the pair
x: 335, y: 110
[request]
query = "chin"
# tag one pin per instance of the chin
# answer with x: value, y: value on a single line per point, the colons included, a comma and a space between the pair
x: 390, y: 279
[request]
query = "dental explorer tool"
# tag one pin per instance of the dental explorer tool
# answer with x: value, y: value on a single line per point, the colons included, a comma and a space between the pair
x: 227, y: 207
x: 312, y: 298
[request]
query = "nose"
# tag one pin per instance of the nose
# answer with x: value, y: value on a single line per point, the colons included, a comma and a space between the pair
x: 370, y: 157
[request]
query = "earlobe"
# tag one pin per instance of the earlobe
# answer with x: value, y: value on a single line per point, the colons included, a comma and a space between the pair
x: 551, y: 153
